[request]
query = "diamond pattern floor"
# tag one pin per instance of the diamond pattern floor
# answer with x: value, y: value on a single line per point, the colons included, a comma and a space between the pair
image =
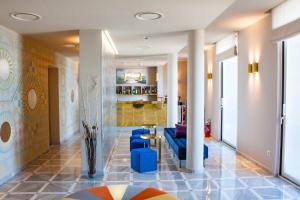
x: 227, y: 176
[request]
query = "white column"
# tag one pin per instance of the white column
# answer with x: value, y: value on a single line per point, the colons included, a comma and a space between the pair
x: 172, y: 110
x: 90, y: 71
x: 195, y: 101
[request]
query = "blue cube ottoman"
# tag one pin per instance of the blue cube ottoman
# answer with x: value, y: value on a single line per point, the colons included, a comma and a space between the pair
x: 143, y: 160
x: 140, y: 131
x: 139, y: 143
x: 133, y: 137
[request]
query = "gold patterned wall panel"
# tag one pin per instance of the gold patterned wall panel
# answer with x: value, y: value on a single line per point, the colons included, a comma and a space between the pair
x: 149, y: 113
x: 24, y: 97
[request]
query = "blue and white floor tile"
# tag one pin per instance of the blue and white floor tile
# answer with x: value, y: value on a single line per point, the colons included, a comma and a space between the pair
x: 227, y: 176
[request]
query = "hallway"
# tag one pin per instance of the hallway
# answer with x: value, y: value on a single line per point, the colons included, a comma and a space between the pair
x: 227, y: 176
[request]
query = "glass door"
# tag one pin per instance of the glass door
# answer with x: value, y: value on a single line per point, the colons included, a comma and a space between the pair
x: 290, y: 160
x: 229, y: 101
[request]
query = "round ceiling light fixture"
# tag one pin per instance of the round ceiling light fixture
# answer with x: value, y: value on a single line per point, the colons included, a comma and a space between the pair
x: 22, y: 16
x: 148, y: 16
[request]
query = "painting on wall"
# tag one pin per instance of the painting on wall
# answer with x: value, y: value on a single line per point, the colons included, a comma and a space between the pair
x: 131, y: 76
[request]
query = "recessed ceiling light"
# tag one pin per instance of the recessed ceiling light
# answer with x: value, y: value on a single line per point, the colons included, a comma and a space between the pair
x: 25, y: 16
x: 147, y: 16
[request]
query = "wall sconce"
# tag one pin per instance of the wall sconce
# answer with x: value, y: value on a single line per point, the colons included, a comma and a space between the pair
x: 209, y: 76
x: 250, y: 68
x: 255, y: 67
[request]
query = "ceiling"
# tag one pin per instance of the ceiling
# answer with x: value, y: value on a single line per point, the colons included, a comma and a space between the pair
x: 61, y: 20
x: 117, y: 16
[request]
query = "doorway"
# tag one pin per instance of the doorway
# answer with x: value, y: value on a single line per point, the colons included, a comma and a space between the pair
x: 229, y: 101
x: 290, y: 126
x: 53, y: 99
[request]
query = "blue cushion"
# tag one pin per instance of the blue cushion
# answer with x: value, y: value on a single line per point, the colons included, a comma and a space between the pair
x: 179, y: 144
x: 139, y: 143
x: 143, y: 160
x: 140, y: 131
x: 133, y: 137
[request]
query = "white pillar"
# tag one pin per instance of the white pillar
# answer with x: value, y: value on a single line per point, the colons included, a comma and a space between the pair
x: 90, y: 71
x: 172, y: 110
x: 195, y: 101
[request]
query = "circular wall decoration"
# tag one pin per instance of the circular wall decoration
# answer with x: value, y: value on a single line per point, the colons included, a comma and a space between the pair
x: 7, y: 131
x: 7, y: 67
x: 32, y: 99
x: 72, y: 96
x: 4, y: 69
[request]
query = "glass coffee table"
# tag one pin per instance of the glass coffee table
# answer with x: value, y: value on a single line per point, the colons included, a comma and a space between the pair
x: 155, y: 138
x: 151, y: 126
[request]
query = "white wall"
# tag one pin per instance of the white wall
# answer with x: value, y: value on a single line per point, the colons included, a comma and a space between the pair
x: 90, y: 85
x: 98, y: 78
x: 257, y: 94
x: 212, y: 97
x: 285, y: 13
x: 109, y: 99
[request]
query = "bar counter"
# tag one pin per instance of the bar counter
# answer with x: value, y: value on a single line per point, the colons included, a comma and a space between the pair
x: 137, y: 113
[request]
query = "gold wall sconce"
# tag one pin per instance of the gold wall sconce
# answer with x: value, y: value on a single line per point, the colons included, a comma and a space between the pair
x: 209, y: 76
x: 255, y: 67
x: 250, y: 68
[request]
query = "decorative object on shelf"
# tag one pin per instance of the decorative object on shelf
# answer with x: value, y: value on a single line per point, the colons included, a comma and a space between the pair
x: 91, y: 129
x: 136, y: 90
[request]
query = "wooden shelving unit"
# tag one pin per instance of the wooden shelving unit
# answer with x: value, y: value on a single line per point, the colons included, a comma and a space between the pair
x: 150, y: 90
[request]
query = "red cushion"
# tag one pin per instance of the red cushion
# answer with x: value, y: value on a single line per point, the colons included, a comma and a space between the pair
x: 180, y: 130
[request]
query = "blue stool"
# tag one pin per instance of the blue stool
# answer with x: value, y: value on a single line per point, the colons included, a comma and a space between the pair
x: 140, y: 131
x: 143, y: 160
x: 139, y: 143
x: 133, y: 137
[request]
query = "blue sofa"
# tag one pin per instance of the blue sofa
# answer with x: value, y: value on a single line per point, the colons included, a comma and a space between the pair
x: 179, y: 144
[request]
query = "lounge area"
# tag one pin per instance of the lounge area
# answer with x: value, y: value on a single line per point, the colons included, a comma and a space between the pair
x: 149, y: 100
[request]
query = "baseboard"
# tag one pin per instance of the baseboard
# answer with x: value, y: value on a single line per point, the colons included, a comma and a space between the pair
x: 256, y: 162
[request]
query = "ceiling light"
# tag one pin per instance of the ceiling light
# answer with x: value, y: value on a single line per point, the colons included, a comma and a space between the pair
x: 147, y: 16
x: 25, y: 16
x: 70, y: 45
x: 144, y: 47
x: 111, y: 42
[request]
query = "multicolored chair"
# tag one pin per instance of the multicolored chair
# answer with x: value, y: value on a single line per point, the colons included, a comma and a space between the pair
x: 143, y: 160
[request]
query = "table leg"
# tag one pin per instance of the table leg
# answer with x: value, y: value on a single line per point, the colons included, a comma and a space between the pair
x: 159, y: 150
x: 155, y: 131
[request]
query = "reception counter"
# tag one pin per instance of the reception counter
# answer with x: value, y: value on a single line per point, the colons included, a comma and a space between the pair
x: 137, y: 113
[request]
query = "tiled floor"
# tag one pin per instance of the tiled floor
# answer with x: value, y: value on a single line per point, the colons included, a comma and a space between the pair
x: 227, y: 176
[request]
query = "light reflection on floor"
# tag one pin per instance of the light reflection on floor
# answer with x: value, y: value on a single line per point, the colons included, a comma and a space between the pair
x: 226, y: 176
